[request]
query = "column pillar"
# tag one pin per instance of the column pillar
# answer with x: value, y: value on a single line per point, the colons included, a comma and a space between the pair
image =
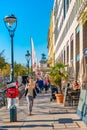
x: 81, y: 51
x: 74, y: 53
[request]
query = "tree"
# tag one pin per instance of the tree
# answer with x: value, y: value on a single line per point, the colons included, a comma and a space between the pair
x: 57, y: 74
x: 2, y: 60
x: 4, y: 66
x: 6, y: 70
x: 19, y: 69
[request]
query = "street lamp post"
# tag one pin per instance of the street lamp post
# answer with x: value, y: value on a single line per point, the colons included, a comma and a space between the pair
x: 11, y: 24
x: 27, y: 56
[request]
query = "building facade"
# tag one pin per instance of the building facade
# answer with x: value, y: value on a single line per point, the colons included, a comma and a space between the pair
x: 70, y: 36
x: 51, y: 41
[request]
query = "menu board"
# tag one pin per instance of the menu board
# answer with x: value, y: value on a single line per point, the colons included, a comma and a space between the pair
x: 81, y: 103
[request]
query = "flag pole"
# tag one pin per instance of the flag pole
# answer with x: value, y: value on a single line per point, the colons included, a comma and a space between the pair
x: 31, y: 54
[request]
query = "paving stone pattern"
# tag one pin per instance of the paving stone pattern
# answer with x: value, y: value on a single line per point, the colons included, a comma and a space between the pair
x: 46, y: 116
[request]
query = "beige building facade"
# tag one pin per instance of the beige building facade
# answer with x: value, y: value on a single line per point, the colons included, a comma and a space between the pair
x: 51, y: 41
x: 70, y: 36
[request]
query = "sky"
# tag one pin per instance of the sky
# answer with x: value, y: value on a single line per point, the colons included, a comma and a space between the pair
x: 33, y: 20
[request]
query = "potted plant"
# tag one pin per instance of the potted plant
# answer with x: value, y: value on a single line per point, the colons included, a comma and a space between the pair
x: 58, y: 74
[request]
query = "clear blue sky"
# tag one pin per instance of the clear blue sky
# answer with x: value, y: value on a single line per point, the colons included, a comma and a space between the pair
x: 33, y: 20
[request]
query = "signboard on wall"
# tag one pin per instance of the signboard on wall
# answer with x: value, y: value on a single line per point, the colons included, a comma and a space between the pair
x: 81, y: 103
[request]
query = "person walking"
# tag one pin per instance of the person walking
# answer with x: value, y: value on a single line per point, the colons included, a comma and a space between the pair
x: 40, y: 84
x: 46, y: 84
x: 30, y: 86
x: 75, y: 85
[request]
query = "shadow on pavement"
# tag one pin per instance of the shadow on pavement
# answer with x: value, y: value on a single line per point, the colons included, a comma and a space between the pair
x: 25, y: 126
x: 65, y: 120
x: 3, y: 129
x: 50, y: 112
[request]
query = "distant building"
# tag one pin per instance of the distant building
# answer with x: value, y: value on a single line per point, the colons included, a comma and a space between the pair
x: 43, y: 61
x: 42, y: 65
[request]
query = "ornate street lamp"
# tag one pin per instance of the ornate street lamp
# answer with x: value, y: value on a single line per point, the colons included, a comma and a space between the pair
x: 27, y: 56
x: 11, y: 24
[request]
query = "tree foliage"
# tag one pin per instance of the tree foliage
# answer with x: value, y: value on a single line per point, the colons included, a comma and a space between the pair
x: 57, y: 74
x: 6, y: 68
x: 2, y: 60
x: 19, y: 69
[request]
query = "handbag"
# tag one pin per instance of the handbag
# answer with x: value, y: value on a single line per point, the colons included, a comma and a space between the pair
x: 26, y: 91
x: 34, y: 93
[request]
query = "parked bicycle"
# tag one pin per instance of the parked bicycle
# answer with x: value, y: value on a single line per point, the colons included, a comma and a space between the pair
x: 3, y: 98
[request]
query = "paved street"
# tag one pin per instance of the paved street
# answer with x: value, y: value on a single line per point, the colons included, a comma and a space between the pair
x: 46, y: 116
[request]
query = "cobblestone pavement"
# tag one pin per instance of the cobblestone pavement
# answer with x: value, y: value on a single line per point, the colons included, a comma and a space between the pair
x: 46, y: 116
